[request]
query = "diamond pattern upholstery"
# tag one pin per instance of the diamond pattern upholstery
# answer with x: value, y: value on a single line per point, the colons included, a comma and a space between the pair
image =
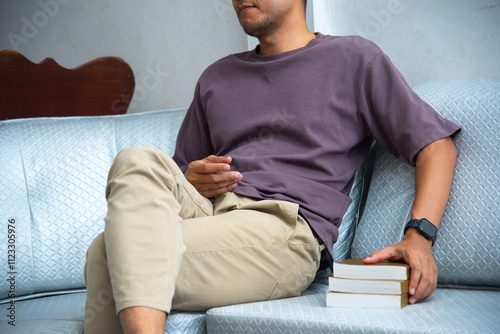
x: 376, y: 212
x: 54, y: 176
x: 446, y: 311
x: 14, y: 205
x: 466, y: 250
x: 65, y: 314
x: 66, y: 171
x: 342, y: 247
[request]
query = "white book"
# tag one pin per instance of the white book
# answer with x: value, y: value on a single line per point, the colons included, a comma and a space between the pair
x: 388, y: 287
x: 360, y: 300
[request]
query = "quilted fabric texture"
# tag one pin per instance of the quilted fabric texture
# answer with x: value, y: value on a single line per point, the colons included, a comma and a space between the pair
x: 342, y: 247
x: 466, y: 250
x: 388, y: 205
x: 64, y: 314
x: 14, y: 207
x: 55, y: 314
x: 446, y: 311
x: 54, y: 173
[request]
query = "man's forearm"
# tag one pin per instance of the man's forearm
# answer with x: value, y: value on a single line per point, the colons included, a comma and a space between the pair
x: 433, y: 178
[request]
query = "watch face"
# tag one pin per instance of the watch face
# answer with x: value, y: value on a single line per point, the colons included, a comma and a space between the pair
x: 428, y: 228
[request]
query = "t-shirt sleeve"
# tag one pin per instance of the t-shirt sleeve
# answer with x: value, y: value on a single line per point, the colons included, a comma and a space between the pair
x: 394, y: 115
x: 193, y: 140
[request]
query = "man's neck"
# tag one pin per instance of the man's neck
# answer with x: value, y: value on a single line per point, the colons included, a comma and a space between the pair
x: 286, y: 39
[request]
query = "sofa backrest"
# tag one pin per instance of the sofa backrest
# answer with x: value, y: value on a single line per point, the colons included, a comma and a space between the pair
x: 467, y: 251
x: 53, y: 175
x: 53, y: 178
x: 342, y: 247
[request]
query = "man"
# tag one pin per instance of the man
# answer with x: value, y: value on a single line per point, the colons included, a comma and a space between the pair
x: 264, y: 162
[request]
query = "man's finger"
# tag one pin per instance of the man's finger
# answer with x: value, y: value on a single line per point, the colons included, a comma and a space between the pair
x: 415, y: 288
x: 426, y: 285
x: 421, y: 291
x: 211, y: 186
x: 388, y: 253
x: 218, y: 159
x: 202, y: 167
x: 219, y: 191
x: 214, y: 179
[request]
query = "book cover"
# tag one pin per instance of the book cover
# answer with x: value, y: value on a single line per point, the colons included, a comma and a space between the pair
x: 356, y: 269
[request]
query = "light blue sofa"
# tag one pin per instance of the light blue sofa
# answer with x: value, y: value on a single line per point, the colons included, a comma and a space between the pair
x: 52, y: 179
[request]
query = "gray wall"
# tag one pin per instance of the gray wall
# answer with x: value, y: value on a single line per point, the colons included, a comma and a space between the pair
x: 426, y: 39
x: 168, y: 43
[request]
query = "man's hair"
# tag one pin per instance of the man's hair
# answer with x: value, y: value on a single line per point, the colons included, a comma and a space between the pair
x: 305, y: 4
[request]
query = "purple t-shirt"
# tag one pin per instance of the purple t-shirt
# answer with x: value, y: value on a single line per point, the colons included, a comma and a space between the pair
x: 299, y: 124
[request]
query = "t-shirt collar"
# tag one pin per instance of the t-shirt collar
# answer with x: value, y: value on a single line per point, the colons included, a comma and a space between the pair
x: 254, y: 56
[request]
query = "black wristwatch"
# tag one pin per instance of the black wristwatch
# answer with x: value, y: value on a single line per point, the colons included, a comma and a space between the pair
x: 424, y: 227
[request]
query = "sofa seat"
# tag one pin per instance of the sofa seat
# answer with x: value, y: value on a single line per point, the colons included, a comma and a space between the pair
x: 446, y: 311
x: 65, y: 314
x: 53, y: 314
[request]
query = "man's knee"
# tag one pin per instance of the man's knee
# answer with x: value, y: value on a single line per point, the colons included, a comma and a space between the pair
x: 144, y: 155
x: 137, y: 153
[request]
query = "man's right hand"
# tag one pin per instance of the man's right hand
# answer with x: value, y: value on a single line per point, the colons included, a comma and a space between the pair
x: 211, y: 176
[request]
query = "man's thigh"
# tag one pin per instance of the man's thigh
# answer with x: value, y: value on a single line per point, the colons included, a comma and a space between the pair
x: 248, y: 251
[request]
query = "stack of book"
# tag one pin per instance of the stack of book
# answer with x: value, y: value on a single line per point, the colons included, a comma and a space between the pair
x: 358, y: 285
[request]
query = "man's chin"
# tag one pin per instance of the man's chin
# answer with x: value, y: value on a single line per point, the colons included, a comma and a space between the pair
x: 251, y: 30
x: 252, y: 34
x: 260, y: 31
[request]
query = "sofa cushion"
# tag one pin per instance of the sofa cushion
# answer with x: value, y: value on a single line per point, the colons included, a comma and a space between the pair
x: 342, y: 247
x: 64, y: 314
x: 446, y: 311
x: 54, y: 173
x: 14, y: 210
x: 466, y: 251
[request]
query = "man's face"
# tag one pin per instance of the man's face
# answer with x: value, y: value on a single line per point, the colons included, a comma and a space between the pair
x: 261, y: 18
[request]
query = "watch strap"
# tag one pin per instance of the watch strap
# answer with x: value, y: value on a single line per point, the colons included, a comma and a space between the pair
x: 424, y: 227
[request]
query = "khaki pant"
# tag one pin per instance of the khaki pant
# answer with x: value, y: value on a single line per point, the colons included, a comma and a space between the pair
x: 165, y: 246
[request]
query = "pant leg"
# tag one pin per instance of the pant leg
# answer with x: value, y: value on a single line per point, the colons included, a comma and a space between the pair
x: 100, y: 308
x: 250, y: 250
x: 140, y: 252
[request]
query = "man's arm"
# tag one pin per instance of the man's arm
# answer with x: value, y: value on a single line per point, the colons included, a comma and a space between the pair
x: 433, y: 178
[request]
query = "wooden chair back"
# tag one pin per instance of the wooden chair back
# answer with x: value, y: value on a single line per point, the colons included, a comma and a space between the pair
x: 103, y: 86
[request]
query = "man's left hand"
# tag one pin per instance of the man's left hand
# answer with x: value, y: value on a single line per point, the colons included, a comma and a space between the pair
x: 415, y: 250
